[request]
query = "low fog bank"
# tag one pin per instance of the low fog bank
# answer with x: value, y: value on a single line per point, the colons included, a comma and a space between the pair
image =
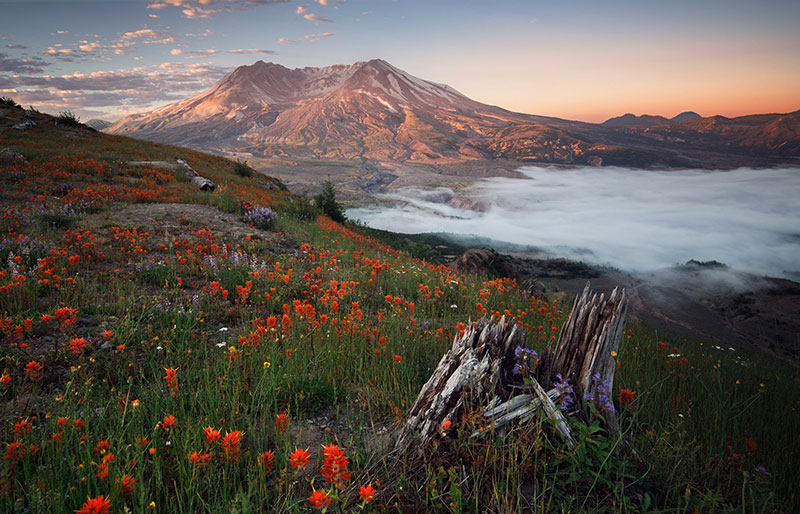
x: 638, y: 221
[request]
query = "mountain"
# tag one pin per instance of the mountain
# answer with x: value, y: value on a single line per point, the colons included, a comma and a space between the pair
x: 647, y: 120
x: 373, y: 111
x: 98, y: 124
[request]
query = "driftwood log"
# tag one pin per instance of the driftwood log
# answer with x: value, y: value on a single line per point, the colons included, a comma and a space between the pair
x: 476, y: 374
x: 201, y: 183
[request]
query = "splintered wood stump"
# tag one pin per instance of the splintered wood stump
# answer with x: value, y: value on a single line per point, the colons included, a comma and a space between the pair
x: 476, y: 374
x: 471, y: 374
x: 587, y: 347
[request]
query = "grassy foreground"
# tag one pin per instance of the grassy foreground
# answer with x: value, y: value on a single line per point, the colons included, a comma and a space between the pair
x: 178, y: 358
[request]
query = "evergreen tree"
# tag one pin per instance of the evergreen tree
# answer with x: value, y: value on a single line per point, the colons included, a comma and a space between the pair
x: 326, y: 202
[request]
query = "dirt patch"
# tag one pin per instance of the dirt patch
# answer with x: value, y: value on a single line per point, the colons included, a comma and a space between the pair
x: 173, y: 218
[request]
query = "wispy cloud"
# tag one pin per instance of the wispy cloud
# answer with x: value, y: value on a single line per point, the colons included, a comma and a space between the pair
x: 193, y: 9
x: 301, y: 9
x: 15, y: 46
x: 311, y: 38
x: 112, y: 93
x: 250, y: 51
x: 12, y: 65
x: 317, y: 18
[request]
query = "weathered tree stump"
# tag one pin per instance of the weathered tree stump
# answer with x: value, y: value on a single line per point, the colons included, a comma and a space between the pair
x: 476, y: 374
x: 587, y: 347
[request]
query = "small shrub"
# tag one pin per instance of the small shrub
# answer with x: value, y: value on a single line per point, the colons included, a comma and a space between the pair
x: 58, y: 220
x: 326, y: 202
x: 261, y: 217
x: 242, y: 169
x: 226, y: 202
x: 69, y: 118
x: 8, y: 101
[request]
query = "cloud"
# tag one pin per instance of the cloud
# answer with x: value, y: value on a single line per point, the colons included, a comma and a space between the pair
x: 176, y: 51
x: 316, y: 18
x: 301, y: 9
x: 634, y: 220
x: 322, y: 2
x: 193, y: 9
x: 311, y: 38
x: 153, y: 15
x: 148, y: 37
x: 113, y: 93
x: 12, y: 65
x: 250, y: 51
x: 200, y: 54
x: 16, y: 46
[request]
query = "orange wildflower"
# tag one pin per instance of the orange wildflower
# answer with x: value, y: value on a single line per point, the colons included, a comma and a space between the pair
x: 126, y: 483
x: 230, y: 445
x: 319, y: 499
x: 99, y: 505
x: 169, y: 422
x: 199, y: 459
x: 265, y: 460
x: 172, y: 379
x: 211, y: 434
x: 299, y: 459
x: 334, y: 466
x: 367, y: 493
x: 281, y: 423
x: 33, y: 371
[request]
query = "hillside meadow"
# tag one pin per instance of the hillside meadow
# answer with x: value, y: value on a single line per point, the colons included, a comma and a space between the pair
x: 171, y: 350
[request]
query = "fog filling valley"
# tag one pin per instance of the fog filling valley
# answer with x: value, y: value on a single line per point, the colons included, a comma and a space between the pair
x: 634, y: 220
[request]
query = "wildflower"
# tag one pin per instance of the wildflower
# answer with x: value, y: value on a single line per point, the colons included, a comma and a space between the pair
x: 230, y: 445
x: 102, y: 446
x: 398, y: 359
x: 281, y: 423
x: 625, y: 397
x: 172, y: 379
x: 319, y: 499
x: 76, y: 346
x: 5, y: 379
x: 126, y: 483
x: 102, y: 471
x: 299, y: 459
x: 169, y: 422
x: 367, y: 493
x: 199, y: 459
x: 265, y: 460
x: 565, y: 389
x: 445, y: 426
x: 22, y: 427
x: 334, y: 466
x: 750, y: 445
x: 761, y: 470
x: 211, y: 435
x: 33, y: 371
x: 108, y: 335
x: 99, y: 505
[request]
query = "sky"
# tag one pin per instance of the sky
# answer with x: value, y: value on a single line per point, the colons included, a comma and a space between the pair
x: 582, y: 60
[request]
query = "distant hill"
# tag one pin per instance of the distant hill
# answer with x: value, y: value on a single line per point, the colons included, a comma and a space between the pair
x: 647, y: 120
x: 377, y: 112
x: 98, y: 124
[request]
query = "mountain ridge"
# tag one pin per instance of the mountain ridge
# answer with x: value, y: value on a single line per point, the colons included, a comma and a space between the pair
x: 372, y: 110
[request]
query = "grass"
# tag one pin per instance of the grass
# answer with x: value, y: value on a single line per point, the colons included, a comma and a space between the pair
x: 331, y: 327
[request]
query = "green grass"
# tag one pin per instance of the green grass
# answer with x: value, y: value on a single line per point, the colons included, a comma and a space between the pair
x: 345, y: 367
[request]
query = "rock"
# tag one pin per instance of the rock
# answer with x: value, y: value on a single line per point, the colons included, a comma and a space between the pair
x: 484, y: 261
x: 203, y: 184
x: 25, y: 125
x: 7, y: 154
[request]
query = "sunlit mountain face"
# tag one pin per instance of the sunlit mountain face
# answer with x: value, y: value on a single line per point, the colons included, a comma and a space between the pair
x: 373, y: 110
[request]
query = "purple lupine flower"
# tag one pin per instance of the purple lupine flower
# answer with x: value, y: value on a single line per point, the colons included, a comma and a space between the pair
x: 565, y: 389
x: 761, y: 470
